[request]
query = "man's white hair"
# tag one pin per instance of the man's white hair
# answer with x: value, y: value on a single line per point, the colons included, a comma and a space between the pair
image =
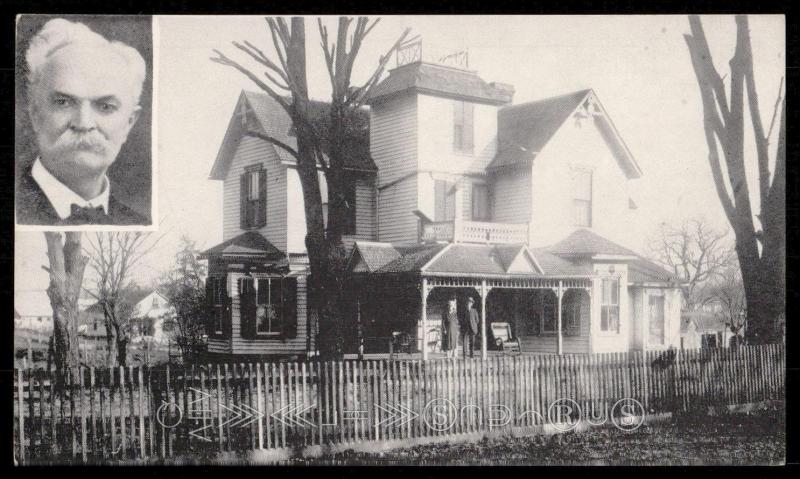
x: 58, y: 33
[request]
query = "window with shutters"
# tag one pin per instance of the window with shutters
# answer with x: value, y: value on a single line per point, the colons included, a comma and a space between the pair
x: 445, y: 200
x: 480, y: 202
x: 463, y: 130
x: 609, y: 306
x: 269, y: 306
x: 655, y: 319
x: 582, y: 197
x: 217, y: 290
x: 253, y: 190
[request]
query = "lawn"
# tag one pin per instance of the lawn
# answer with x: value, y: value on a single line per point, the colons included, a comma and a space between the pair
x: 733, y: 439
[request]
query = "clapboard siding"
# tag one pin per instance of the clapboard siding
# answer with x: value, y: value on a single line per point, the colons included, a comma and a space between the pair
x: 511, y: 196
x: 396, y: 222
x: 365, y: 209
x: 252, y: 151
x: 295, y: 345
x: 393, y: 137
x: 572, y: 344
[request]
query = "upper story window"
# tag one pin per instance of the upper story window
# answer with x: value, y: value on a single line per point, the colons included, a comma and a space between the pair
x: 444, y: 200
x: 155, y: 302
x: 609, y: 306
x: 253, y: 197
x: 463, y: 130
x: 582, y: 197
x: 480, y: 202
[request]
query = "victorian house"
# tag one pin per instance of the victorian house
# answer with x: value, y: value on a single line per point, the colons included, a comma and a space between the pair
x: 455, y: 191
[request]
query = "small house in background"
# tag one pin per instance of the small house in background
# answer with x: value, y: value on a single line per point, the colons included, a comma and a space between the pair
x: 703, y: 329
x: 32, y: 311
x: 152, y: 315
x: 92, y: 322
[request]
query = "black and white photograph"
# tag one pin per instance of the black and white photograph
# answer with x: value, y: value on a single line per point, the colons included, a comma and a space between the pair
x: 401, y: 240
x: 83, y: 121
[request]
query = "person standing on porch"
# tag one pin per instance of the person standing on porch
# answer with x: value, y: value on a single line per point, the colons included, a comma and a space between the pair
x: 470, y: 328
x: 451, y: 328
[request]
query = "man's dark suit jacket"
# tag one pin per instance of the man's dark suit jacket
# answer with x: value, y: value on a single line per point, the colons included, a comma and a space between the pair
x: 33, y: 208
x: 472, y: 321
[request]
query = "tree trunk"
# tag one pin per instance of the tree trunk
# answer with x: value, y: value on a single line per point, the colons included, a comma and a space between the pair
x: 67, y: 265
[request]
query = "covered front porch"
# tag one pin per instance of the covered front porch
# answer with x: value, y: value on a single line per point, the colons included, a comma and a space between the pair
x: 402, y: 299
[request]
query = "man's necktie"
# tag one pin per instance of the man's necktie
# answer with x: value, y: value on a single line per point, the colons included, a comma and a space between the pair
x: 86, y: 214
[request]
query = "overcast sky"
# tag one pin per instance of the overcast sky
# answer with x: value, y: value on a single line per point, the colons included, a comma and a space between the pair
x: 639, y: 67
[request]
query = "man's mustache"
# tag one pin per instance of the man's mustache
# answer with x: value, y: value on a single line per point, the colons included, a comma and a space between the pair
x: 93, y: 142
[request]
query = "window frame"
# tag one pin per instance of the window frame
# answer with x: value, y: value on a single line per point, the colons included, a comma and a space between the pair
x: 607, y: 307
x: 217, y: 303
x: 463, y: 127
x: 488, y: 215
x: 578, y: 199
x: 659, y: 296
x: 251, y: 207
x: 276, y: 328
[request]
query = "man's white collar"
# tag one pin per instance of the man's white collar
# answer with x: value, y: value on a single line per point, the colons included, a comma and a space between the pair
x: 61, y: 197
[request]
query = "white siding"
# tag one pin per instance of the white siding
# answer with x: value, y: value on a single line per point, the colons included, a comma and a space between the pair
x: 393, y: 145
x: 393, y: 137
x: 396, y: 222
x: 252, y: 151
x: 552, y: 195
x: 436, y: 139
x: 295, y: 345
x: 511, y: 196
x: 604, y: 342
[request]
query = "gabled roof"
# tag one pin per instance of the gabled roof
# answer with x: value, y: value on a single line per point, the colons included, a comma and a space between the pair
x: 249, y: 244
x: 412, y: 258
x: 583, y: 242
x: 482, y: 259
x: 645, y: 271
x: 373, y: 254
x: 523, y: 130
x: 265, y: 116
x: 556, y: 265
x: 440, y: 80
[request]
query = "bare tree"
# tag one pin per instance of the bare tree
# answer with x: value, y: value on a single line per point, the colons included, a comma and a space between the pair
x: 113, y: 256
x: 727, y: 292
x: 761, y: 252
x: 183, y: 286
x: 320, y: 144
x: 696, y: 253
x: 66, y: 269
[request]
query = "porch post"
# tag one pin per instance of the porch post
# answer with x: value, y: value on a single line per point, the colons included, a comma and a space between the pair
x: 424, y: 318
x: 560, y: 345
x: 483, y: 319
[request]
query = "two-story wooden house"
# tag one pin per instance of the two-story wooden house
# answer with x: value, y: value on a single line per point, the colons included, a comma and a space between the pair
x: 459, y: 192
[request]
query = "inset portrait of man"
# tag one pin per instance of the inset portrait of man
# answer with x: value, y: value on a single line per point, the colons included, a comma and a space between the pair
x: 83, y: 138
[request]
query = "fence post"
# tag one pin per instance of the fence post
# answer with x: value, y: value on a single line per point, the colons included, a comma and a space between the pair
x: 21, y: 411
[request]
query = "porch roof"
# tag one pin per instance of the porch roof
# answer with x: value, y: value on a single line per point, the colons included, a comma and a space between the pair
x: 247, y: 245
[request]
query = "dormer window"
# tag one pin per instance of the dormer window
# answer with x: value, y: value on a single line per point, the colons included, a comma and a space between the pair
x: 582, y: 197
x: 463, y: 130
x: 253, y: 197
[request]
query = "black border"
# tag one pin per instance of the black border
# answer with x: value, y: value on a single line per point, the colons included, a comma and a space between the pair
x: 9, y: 8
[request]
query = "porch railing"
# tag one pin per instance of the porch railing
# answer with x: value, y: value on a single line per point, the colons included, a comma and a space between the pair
x: 463, y: 231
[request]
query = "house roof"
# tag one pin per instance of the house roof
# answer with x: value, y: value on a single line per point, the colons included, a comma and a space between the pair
x: 249, y: 244
x: 556, y: 265
x: 374, y: 254
x: 703, y: 320
x: 441, y: 80
x: 265, y: 116
x: 645, y: 271
x: 32, y: 303
x: 412, y: 258
x: 583, y: 242
x: 523, y: 130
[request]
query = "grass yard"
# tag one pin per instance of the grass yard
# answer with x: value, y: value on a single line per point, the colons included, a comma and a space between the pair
x: 758, y: 438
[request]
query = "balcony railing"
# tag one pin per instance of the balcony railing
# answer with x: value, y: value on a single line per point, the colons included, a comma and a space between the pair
x: 462, y: 231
